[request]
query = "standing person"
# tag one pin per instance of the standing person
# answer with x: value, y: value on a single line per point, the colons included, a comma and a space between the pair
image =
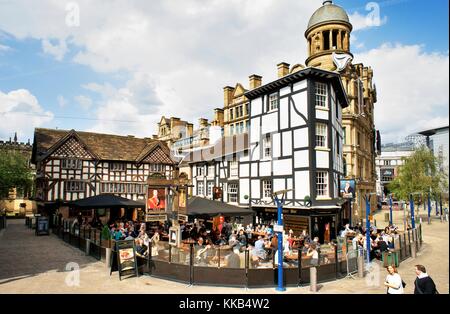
x: 393, y: 282
x: 423, y: 283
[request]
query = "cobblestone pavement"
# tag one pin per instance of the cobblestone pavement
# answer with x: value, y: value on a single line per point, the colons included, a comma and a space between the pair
x: 30, y: 264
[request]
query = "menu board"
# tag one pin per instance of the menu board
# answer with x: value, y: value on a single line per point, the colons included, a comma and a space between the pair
x: 42, y: 224
x: 126, y: 262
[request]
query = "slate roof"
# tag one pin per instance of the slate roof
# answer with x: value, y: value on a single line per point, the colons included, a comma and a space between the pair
x: 102, y: 146
x: 223, y: 147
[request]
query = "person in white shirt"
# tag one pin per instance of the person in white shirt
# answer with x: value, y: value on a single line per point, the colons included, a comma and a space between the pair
x: 394, y: 282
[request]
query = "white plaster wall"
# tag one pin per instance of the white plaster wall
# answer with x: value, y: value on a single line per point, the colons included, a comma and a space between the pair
x: 321, y: 114
x: 284, y: 113
x: 264, y: 169
x: 269, y: 123
x: 322, y: 159
x: 244, y: 170
x: 256, y: 106
x: 301, y: 138
x: 287, y: 143
x: 276, y: 145
x: 282, y: 167
x: 289, y: 186
x: 255, y: 130
x: 279, y: 184
x: 244, y: 190
x: 255, y: 151
x: 301, y: 158
x: 301, y: 184
x: 256, y: 189
x: 285, y: 90
x: 300, y: 85
x: 300, y: 101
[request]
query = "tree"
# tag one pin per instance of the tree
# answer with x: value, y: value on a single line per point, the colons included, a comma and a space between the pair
x: 14, y: 173
x: 419, y: 173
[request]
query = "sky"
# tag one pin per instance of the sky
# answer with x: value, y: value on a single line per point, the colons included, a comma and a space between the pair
x: 117, y: 66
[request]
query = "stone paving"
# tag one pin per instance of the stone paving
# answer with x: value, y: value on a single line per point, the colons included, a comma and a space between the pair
x: 30, y: 264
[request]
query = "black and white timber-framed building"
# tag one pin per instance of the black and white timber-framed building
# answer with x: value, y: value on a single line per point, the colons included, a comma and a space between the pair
x: 73, y: 165
x: 294, y: 142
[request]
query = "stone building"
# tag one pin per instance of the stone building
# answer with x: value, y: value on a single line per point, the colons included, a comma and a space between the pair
x: 388, y: 163
x: 18, y: 202
x: 328, y: 36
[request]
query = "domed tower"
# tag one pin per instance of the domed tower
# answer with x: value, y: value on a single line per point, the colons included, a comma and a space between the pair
x: 328, y: 36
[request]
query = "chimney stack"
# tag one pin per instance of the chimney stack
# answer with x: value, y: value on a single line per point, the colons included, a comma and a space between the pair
x: 227, y: 95
x: 255, y: 81
x: 283, y: 69
x: 190, y: 129
x: 203, y: 123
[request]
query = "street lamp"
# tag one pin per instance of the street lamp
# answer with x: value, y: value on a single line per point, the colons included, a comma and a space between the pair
x: 279, y: 229
x: 390, y: 210
x: 411, y: 205
x: 367, y: 199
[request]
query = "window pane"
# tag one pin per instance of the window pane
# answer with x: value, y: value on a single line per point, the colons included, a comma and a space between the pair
x: 321, y: 94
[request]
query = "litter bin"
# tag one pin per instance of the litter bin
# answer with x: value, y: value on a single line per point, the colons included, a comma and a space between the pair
x: 390, y: 258
x: 386, y: 217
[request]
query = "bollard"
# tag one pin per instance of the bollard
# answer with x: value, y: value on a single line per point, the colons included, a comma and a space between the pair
x: 88, y: 246
x: 108, y: 257
x: 360, y: 266
x: 313, y: 279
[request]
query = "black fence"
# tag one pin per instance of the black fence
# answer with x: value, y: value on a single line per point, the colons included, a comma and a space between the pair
x: 2, y: 221
x: 407, y: 239
x: 185, y: 265
x: 78, y: 237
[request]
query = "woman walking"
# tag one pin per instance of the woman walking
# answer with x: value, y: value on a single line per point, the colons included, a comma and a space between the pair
x: 394, y: 282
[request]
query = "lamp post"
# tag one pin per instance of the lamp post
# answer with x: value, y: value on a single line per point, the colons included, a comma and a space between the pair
x: 411, y: 205
x: 429, y: 208
x: 279, y: 230
x: 390, y: 209
x: 368, y: 227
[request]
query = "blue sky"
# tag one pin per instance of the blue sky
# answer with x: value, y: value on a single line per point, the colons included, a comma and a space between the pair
x: 130, y: 62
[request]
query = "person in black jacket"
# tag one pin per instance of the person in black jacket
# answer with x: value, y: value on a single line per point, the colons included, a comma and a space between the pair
x: 423, y: 283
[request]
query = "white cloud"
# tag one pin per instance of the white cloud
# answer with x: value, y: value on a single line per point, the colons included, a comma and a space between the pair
x: 412, y: 88
x: 57, y: 50
x: 20, y: 111
x: 62, y: 102
x: 84, y: 101
x: 177, y: 55
x: 371, y: 19
x: 4, y: 48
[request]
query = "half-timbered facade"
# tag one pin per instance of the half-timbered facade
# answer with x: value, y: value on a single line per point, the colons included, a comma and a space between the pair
x: 224, y: 166
x: 72, y: 165
x: 296, y: 143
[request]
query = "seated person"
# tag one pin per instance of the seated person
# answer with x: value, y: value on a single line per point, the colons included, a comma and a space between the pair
x: 258, y: 250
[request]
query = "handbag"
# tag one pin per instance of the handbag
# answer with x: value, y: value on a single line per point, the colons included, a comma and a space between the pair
x: 403, y: 284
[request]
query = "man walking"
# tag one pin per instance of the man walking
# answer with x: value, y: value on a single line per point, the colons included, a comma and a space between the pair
x: 423, y: 283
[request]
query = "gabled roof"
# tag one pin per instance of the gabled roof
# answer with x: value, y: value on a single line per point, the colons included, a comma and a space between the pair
x: 239, y: 90
x: 203, y: 206
x: 223, y: 147
x: 101, y: 146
